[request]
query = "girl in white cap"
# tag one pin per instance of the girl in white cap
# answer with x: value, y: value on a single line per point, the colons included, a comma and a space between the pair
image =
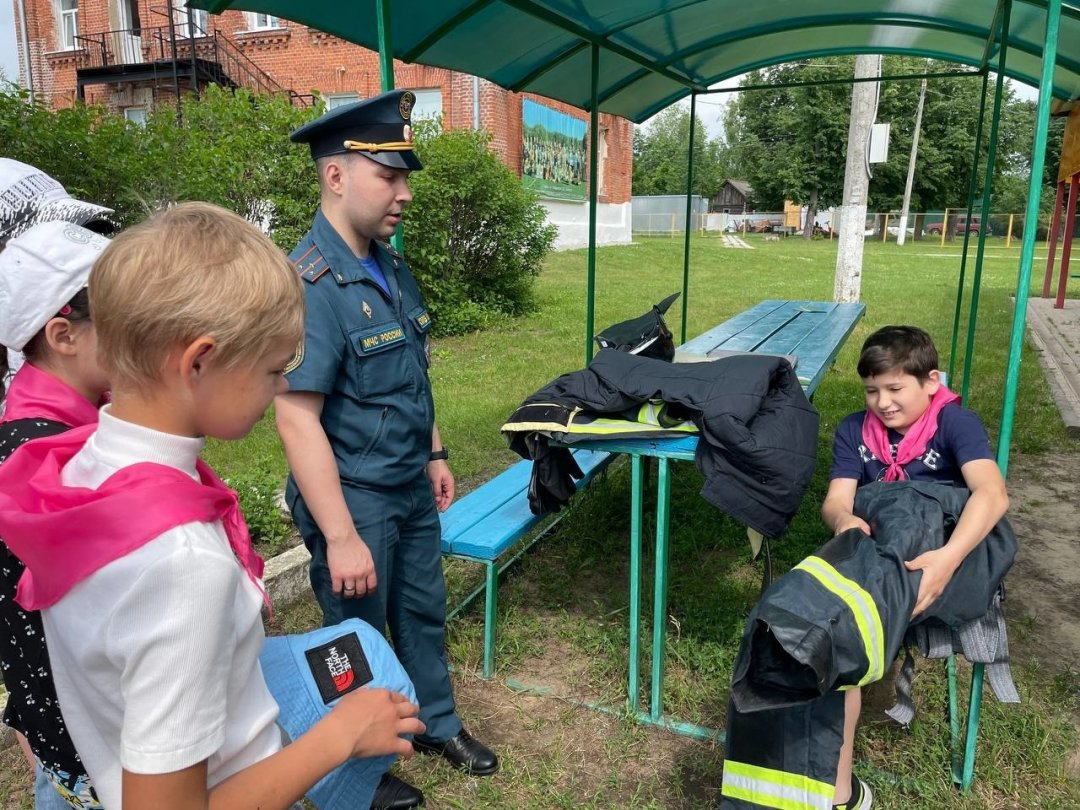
x: 45, y: 314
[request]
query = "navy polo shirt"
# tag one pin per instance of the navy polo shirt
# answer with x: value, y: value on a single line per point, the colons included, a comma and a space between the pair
x: 365, y: 350
x: 960, y: 438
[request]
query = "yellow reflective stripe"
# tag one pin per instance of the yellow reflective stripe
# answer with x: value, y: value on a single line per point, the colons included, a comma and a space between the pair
x: 862, y: 607
x: 602, y: 425
x: 773, y: 788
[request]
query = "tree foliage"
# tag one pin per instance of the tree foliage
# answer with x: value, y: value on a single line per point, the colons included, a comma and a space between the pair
x: 474, y: 235
x: 789, y: 142
x: 660, y: 156
x: 227, y: 148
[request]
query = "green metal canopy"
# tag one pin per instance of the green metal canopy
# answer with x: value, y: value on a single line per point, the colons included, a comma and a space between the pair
x: 654, y: 52
x: 633, y: 58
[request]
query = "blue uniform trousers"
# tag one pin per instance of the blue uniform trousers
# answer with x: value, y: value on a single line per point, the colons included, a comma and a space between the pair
x: 401, y: 528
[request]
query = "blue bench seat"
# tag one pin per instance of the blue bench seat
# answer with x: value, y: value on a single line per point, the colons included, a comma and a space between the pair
x: 488, y: 522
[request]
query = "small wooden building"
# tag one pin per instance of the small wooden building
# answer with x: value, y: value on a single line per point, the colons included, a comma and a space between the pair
x: 733, y: 198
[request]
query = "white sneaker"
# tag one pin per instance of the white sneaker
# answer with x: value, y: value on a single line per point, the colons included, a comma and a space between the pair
x: 861, y: 797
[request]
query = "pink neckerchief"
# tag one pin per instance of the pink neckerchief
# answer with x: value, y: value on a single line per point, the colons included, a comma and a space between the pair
x: 64, y: 534
x: 36, y: 394
x: 876, y: 436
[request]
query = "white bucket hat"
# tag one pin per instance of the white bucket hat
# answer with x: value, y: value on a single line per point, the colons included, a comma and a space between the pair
x: 28, y: 196
x: 40, y: 271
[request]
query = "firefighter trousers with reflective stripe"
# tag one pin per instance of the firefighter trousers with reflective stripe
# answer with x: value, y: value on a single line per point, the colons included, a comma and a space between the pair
x: 834, y: 622
x: 773, y: 760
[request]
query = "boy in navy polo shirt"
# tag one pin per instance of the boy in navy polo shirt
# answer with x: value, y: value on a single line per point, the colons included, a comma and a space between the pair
x: 913, y: 428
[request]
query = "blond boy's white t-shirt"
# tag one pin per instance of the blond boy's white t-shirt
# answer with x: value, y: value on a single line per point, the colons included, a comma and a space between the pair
x: 155, y: 656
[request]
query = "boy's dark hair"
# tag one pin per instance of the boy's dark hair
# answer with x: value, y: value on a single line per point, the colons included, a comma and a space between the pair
x: 907, y: 349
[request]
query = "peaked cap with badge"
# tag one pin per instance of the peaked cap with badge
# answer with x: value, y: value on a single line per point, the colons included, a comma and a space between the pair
x: 379, y: 128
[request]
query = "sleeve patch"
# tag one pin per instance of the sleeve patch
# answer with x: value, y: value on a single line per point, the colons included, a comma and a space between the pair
x: 298, y: 358
x: 421, y: 318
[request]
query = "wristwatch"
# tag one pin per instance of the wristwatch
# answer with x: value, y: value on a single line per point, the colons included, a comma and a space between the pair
x: 439, y: 455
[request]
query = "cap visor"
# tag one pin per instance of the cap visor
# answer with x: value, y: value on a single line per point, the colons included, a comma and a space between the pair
x: 396, y: 160
x: 69, y: 210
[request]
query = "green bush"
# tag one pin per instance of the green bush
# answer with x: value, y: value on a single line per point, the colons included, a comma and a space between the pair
x: 474, y: 236
x: 228, y: 148
x: 269, y: 527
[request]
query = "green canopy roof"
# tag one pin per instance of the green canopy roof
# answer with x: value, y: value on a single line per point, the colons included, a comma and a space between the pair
x: 653, y: 52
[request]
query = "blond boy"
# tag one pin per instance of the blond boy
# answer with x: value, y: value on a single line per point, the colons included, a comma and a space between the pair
x: 154, y: 616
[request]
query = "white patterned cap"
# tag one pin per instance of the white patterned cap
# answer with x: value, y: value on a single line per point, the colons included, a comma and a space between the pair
x: 40, y: 271
x: 28, y: 197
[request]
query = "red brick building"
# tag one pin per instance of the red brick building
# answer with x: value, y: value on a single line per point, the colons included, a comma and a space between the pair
x: 133, y: 54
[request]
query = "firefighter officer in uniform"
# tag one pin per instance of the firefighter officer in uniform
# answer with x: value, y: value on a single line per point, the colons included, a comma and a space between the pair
x: 368, y: 470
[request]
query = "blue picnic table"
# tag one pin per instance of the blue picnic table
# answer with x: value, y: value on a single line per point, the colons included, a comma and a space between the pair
x: 812, y: 332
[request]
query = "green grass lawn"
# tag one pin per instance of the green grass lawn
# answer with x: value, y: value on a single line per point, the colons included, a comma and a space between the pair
x: 563, y: 608
x: 562, y: 622
x: 480, y: 378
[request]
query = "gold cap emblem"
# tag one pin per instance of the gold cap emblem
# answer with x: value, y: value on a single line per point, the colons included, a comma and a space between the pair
x: 405, y: 105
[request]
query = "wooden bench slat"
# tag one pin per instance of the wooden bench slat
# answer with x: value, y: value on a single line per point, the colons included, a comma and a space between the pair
x: 478, y: 504
x: 749, y: 339
x: 715, y: 337
x: 804, y: 322
x: 505, y: 505
x: 818, y: 350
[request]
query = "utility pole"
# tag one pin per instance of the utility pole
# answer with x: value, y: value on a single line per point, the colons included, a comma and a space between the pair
x: 902, y: 233
x: 849, y: 253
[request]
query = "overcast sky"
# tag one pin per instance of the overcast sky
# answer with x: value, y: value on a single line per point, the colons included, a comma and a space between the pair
x: 710, y: 108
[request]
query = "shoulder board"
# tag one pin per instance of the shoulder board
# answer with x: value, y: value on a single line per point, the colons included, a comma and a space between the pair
x: 389, y: 248
x: 311, y: 266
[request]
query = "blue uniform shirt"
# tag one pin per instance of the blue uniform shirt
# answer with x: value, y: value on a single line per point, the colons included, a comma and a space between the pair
x: 960, y: 438
x: 365, y: 349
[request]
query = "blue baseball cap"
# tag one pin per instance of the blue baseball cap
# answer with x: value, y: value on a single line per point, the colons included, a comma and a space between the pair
x: 307, y: 674
x: 379, y: 128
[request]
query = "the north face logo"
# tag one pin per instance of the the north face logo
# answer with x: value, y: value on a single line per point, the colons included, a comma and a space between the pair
x: 339, y: 667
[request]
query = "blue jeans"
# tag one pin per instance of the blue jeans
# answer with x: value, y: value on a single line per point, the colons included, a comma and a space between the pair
x: 401, y: 529
x: 46, y: 797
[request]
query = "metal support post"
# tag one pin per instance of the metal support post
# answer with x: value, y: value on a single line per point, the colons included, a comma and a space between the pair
x: 594, y: 123
x: 988, y: 182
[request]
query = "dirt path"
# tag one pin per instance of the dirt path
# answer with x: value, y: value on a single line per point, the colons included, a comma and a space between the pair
x: 1043, y: 589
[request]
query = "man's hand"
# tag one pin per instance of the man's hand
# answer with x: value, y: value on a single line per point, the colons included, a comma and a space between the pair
x: 352, y: 570
x: 370, y: 723
x: 937, y: 568
x: 442, y: 483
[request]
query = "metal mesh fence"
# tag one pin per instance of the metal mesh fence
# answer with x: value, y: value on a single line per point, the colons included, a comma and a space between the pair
x: 665, y: 216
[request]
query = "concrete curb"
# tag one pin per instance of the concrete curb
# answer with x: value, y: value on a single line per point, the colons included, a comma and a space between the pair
x: 286, y: 580
x: 1056, y: 336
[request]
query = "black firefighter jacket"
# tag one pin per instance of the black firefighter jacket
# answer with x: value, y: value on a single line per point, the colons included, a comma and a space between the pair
x: 758, y: 442
x: 835, y: 621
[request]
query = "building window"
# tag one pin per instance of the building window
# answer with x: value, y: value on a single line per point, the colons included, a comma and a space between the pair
x: 428, y: 104
x: 136, y: 115
x: 190, y: 22
x: 69, y: 24
x: 257, y: 21
x: 335, y: 100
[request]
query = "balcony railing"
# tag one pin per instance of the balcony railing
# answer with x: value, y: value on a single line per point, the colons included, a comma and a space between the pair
x: 212, y: 56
